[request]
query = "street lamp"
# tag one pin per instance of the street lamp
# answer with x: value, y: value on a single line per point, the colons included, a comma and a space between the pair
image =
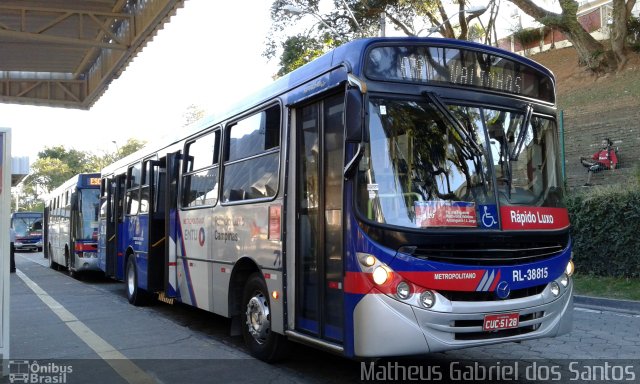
x: 117, y: 148
x: 472, y: 11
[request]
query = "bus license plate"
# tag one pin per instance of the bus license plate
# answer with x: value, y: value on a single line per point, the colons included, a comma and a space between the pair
x: 500, y: 321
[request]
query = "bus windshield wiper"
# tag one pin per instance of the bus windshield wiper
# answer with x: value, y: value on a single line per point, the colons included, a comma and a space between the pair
x: 457, y: 125
x: 523, y: 131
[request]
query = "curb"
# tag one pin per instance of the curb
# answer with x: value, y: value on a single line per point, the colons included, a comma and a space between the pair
x: 599, y: 303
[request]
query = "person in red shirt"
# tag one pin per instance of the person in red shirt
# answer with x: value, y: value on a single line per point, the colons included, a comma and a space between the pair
x: 604, y: 159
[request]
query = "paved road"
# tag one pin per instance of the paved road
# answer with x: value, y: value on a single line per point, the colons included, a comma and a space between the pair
x: 90, y: 319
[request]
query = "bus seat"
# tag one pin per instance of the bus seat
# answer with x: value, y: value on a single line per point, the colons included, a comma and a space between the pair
x: 236, y: 195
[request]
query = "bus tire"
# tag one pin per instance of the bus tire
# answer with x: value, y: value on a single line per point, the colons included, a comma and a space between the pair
x: 135, y: 295
x: 256, y: 322
x: 52, y: 264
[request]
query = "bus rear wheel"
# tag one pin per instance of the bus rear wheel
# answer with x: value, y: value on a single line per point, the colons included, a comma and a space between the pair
x: 256, y: 323
x: 135, y: 295
x: 52, y: 264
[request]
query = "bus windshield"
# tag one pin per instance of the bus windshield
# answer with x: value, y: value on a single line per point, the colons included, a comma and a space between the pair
x: 27, y: 224
x: 420, y: 156
x: 90, y: 201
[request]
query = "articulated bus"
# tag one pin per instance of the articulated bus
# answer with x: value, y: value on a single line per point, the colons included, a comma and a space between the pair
x: 71, y: 224
x: 396, y: 196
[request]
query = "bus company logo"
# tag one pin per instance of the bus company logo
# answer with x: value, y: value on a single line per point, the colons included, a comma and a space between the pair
x: 201, y: 237
x: 24, y: 371
x: 503, y: 290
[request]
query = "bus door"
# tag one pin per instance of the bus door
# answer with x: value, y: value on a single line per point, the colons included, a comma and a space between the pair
x: 169, y: 182
x: 115, y: 196
x: 319, y: 234
x: 45, y: 232
x: 155, y: 195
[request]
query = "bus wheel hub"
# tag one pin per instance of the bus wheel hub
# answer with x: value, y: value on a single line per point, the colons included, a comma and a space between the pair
x: 258, y: 318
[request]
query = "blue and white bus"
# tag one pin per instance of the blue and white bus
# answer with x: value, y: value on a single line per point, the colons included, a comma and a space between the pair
x: 28, y: 229
x: 71, y: 224
x: 396, y: 196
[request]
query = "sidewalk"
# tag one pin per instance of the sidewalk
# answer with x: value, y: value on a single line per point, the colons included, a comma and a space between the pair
x: 600, y: 303
x: 73, y: 331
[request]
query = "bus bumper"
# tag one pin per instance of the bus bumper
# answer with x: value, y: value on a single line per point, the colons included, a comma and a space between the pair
x: 86, y: 261
x: 385, y: 326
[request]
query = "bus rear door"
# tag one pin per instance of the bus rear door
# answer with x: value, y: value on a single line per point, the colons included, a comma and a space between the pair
x: 169, y: 182
x: 115, y: 196
x: 155, y: 195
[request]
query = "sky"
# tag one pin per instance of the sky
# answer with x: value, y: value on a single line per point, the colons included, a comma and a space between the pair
x: 208, y: 55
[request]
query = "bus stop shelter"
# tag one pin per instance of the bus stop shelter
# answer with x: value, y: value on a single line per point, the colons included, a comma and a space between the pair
x: 62, y: 53
x: 65, y: 53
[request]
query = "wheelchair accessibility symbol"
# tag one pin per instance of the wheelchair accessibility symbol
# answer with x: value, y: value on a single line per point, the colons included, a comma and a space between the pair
x: 489, y: 215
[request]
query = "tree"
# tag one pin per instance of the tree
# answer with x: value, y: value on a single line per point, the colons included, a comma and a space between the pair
x: 592, y: 53
x: 131, y: 146
x: 192, y: 114
x: 352, y: 19
x: 47, y: 173
x: 56, y: 164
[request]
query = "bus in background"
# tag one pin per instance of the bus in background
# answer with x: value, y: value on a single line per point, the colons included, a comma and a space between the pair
x: 396, y: 196
x: 28, y: 228
x: 71, y: 224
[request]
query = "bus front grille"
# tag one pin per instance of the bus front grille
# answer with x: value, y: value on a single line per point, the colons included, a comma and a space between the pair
x: 488, y: 255
x: 491, y: 296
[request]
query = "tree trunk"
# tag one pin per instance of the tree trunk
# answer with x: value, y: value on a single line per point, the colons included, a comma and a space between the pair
x: 619, y: 31
x: 590, y: 51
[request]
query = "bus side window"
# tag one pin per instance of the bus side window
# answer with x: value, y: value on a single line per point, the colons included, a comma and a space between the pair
x: 253, y: 156
x: 200, y: 175
x: 133, y: 189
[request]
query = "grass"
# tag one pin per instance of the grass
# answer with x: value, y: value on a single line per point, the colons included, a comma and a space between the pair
x: 607, y: 287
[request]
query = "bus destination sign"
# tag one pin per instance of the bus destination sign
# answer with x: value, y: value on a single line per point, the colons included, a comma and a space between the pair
x: 454, y: 66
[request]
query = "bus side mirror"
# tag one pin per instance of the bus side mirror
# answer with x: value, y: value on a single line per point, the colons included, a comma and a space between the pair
x: 74, y: 201
x: 354, y: 115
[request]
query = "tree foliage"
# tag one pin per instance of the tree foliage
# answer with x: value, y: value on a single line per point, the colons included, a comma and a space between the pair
x: 57, y: 164
x: 192, y: 114
x: 351, y: 19
x: 592, y: 53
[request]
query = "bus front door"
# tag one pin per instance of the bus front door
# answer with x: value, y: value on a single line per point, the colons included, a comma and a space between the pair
x: 319, y: 234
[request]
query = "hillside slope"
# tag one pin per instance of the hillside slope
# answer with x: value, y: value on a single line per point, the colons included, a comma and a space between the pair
x: 596, y: 107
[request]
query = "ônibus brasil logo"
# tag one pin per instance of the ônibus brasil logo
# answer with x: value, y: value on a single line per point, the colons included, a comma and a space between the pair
x: 25, y: 371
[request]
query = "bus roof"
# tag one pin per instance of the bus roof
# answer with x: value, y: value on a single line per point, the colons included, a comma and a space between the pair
x: 81, y: 179
x: 350, y: 54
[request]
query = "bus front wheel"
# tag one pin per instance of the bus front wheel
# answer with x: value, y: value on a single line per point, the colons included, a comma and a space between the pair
x: 135, y: 295
x: 256, y: 323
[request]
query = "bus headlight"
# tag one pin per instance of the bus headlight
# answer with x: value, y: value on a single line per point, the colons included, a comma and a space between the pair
x: 570, y: 268
x: 403, y: 291
x: 366, y: 259
x: 564, y: 280
x: 555, y: 288
x: 380, y: 275
x: 427, y: 299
